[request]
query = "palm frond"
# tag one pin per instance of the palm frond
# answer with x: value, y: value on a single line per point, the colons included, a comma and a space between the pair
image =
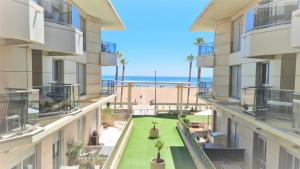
x: 199, y: 41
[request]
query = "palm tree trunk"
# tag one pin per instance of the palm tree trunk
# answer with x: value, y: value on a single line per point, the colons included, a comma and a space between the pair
x: 189, y: 90
x: 116, y: 87
x: 198, y: 83
x: 123, y: 73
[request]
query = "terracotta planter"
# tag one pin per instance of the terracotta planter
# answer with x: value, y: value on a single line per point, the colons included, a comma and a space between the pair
x: 153, y: 133
x: 155, y: 165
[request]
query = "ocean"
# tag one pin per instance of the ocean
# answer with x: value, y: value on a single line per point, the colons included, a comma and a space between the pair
x: 160, y: 79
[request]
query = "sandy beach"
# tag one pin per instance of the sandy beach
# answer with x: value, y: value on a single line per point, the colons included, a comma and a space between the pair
x: 144, y: 95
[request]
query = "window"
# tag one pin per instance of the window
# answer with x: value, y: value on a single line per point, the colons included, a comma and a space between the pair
x: 263, y: 74
x: 259, y: 152
x: 236, y: 34
x: 233, y: 138
x: 29, y: 162
x: 83, y: 29
x: 56, y: 148
x: 58, y: 71
x: 81, y: 78
x: 287, y: 160
x: 235, y: 81
x: 75, y: 17
x: 37, y: 68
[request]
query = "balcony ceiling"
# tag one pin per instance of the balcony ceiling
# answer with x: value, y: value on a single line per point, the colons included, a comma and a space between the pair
x: 215, y: 10
x: 103, y: 10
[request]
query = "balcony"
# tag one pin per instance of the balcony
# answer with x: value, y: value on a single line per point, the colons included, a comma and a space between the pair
x: 279, y: 108
x: 211, y: 155
x: 22, y: 23
x: 206, y: 55
x: 108, y: 54
x: 58, y: 99
x: 61, y: 37
x: 269, y: 23
x: 19, y: 111
x: 268, y: 103
x: 108, y: 87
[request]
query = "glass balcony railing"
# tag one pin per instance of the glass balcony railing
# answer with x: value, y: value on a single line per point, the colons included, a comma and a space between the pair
x: 206, y: 49
x: 58, y: 99
x: 108, y: 87
x: 268, y: 103
x: 19, y: 110
x: 205, y: 87
x: 58, y: 11
x: 270, y: 14
x: 108, y: 47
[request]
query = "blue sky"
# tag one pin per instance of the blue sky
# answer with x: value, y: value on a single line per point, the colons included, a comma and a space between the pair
x: 157, y: 36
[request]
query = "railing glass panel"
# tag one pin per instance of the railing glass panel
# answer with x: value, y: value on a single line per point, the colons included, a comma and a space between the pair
x: 205, y: 87
x: 270, y: 14
x: 108, y: 87
x: 206, y: 49
x: 108, y: 47
x: 19, y: 109
x: 58, y: 11
x: 296, y: 111
x: 269, y: 103
x: 58, y: 99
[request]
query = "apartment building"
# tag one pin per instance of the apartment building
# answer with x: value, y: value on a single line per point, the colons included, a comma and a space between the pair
x: 255, y: 94
x: 51, y: 55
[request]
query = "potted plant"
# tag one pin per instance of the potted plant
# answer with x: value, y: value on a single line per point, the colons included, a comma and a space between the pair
x: 158, y: 163
x: 153, y: 132
x: 73, y: 153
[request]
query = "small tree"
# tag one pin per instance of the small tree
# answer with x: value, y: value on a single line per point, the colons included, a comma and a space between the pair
x: 154, y: 124
x: 159, y: 145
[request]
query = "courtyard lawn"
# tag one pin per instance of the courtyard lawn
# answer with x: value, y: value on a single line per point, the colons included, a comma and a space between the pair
x: 140, y: 149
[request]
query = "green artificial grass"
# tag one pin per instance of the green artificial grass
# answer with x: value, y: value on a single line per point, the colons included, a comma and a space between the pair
x: 140, y: 149
x: 199, y: 118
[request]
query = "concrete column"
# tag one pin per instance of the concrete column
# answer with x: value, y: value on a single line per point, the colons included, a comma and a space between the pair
x: 178, y: 95
x: 129, y: 98
x: 93, y: 69
x: 181, y: 97
x: 222, y: 52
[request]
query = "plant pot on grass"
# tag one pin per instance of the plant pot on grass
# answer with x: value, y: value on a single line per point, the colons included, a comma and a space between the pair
x: 158, y: 163
x: 153, y: 132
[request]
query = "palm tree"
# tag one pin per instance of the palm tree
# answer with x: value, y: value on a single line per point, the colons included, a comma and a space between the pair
x: 198, y: 42
x: 159, y: 145
x: 190, y: 59
x: 123, y: 62
x: 119, y: 57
